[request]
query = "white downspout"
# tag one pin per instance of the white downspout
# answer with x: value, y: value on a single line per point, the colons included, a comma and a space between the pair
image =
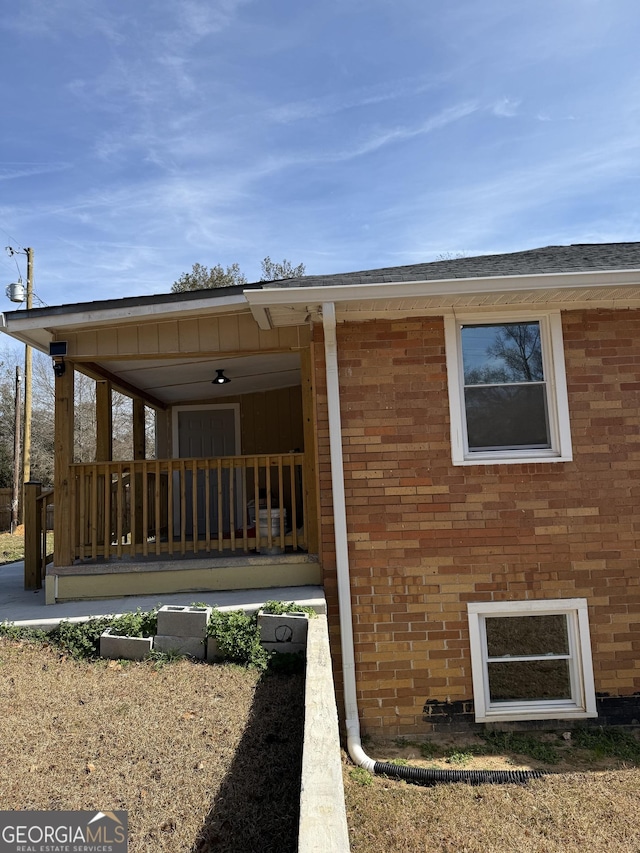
x: 354, y: 743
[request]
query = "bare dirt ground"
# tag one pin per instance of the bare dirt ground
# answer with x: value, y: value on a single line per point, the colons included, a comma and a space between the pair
x: 588, y: 801
x: 202, y: 757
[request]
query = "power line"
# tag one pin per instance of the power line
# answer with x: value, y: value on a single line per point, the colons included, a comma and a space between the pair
x: 12, y: 239
x: 13, y: 253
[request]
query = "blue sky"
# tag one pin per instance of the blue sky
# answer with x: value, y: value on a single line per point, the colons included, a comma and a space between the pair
x: 140, y: 137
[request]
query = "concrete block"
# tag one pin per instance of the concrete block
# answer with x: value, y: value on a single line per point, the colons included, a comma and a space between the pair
x: 194, y: 647
x: 285, y: 628
x: 176, y: 620
x: 286, y: 648
x: 126, y: 648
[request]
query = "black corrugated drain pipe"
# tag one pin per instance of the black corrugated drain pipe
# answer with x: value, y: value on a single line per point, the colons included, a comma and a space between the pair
x: 431, y: 777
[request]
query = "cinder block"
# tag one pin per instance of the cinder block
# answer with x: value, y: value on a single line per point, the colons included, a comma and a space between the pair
x: 176, y: 620
x: 285, y: 628
x: 286, y: 648
x: 125, y: 648
x: 194, y: 647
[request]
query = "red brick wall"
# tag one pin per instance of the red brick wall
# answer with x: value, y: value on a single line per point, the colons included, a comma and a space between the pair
x: 426, y: 537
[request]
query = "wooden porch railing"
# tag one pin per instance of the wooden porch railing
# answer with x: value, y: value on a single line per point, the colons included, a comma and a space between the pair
x: 38, y: 521
x: 156, y: 507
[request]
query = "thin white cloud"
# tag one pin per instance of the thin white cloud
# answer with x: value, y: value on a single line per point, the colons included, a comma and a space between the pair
x: 506, y: 107
x: 472, y: 215
x: 386, y: 137
x: 205, y: 17
x: 335, y: 102
x: 12, y: 171
x: 53, y: 19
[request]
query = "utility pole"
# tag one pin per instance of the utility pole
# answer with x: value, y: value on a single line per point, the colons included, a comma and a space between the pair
x: 28, y: 380
x: 16, y: 457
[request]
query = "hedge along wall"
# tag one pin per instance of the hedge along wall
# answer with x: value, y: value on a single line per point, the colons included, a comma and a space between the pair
x: 426, y: 537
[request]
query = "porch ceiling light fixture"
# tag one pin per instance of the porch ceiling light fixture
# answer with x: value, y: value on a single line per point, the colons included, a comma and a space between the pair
x: 220, y: 379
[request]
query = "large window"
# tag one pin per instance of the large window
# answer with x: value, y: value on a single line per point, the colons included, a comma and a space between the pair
x: 531, y: 660
x: 507, y: 389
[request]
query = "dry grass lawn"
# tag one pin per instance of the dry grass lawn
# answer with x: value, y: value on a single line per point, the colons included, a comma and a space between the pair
x: 202, y: 757
x: 12, y: 545
x: 573, y: 809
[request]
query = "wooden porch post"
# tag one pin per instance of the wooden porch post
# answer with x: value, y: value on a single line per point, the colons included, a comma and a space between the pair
x: 104, y: 422
x: 32, y: 536
x: 309, y: 467
x: 139, y: 452
x: 63, y: 457
x: 138, y: 429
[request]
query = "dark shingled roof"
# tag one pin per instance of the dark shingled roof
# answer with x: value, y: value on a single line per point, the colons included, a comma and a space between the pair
x: 552, y: 259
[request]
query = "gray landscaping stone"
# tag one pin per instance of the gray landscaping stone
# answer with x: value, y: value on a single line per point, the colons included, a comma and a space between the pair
x: 192, y: 646
x: 126, y: 648
x: 175, y: 620
x: 286, y: 628
x: 285, y: 648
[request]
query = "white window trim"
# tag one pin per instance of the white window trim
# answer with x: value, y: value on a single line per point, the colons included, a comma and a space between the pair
x: 555, y: 377
x: 583, y: 701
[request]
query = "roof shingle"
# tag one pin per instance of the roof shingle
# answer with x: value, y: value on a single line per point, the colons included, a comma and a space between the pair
x: 551, y: 259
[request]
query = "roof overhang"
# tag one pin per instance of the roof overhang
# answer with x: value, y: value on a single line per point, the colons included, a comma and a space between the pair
x: 40, y: 326
x: 294, y: 306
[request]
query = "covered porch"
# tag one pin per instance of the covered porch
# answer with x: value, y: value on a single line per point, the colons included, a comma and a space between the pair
x: 219, y: 490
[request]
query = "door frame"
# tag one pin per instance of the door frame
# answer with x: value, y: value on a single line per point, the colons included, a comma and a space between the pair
x: 175, y: 438
x: 175, y: 443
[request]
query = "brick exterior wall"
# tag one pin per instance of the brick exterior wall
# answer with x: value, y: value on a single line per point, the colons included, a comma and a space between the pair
x: 426, y: 537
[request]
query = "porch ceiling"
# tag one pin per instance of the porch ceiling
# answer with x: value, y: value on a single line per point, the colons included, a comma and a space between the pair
x: 187, y: 380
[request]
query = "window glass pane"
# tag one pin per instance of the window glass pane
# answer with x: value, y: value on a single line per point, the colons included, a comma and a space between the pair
x: 529, y: 680
x: 507, y: 416
x: 527, y: 635
x: 508, y: 352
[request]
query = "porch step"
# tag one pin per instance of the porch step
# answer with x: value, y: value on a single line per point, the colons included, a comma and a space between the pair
x: 117, y: 579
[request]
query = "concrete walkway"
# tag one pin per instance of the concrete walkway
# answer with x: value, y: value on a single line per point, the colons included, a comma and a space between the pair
x: 28, y: 608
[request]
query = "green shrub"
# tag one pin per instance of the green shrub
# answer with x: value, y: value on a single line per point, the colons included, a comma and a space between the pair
x: 279, y: 607
x: 22, y: 632
x: 80, y: 639
x: 138, y: 624
x: 238, y: 638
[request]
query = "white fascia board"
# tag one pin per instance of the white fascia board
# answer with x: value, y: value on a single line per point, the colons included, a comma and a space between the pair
x: 99, y: 317
x: 442, y: 287
x: 39, y: 329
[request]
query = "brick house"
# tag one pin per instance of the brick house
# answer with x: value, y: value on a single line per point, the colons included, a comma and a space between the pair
x: 471, y: 465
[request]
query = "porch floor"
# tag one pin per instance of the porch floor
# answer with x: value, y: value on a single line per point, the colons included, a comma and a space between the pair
x: 179, y: 562
x: 191, y: 573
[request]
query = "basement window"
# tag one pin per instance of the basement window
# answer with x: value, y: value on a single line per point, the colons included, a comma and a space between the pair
x: 507, y: 388
x: 531, y: 660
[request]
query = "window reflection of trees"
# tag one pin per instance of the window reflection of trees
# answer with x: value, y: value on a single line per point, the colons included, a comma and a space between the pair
x: 518, y: 348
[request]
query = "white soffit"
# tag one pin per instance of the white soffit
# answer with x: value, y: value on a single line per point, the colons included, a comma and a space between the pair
x: 294, y: 306
x: 295, y: 315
